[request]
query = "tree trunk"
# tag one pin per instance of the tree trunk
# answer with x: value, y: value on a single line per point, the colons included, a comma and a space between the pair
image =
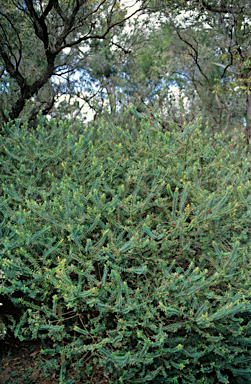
x: 110, y: 89
x: 28, y: 91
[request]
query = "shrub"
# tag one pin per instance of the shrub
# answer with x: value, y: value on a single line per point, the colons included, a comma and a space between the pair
x: 131, y: 253
x: 2, y: 325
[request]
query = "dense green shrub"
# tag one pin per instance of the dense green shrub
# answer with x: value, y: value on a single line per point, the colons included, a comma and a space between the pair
x: 131, y: 253
x: 2, y: 325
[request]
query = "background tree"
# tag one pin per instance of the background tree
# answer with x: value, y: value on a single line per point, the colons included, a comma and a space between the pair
x: 107, y: 74
x: 46, y: 30
x: 95, y: 53
x: 213, y: 46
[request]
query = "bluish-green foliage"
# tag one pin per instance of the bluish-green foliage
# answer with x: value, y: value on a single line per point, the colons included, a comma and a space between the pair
x: 130, y: 252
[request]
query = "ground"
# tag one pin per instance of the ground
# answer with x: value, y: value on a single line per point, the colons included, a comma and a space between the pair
x: 18, y: 365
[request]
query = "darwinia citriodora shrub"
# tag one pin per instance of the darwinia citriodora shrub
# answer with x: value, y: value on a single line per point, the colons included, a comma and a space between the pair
x: 131, y: 254
x: 2, y: 325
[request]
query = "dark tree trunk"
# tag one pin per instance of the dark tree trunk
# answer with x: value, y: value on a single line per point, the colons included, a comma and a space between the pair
x: 30, y: 90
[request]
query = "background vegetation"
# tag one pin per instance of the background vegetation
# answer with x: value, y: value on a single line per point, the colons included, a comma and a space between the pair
x: 108, y: 55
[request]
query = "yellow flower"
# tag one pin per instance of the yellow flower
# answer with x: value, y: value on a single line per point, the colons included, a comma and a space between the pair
x: 187, y: 207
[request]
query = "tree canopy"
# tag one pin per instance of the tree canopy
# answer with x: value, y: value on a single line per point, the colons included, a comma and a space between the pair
x: 41, y: 39
x: 186, y: 57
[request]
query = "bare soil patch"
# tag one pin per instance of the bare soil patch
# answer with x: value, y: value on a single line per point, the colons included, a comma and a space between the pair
x: 18, y: 365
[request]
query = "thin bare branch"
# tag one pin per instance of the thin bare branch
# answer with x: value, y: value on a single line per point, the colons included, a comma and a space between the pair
x: 18, y: 38
x: 98, y: 36
x: 10, y: 67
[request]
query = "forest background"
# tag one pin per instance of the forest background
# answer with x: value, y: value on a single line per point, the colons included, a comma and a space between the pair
x: 84, y: 59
